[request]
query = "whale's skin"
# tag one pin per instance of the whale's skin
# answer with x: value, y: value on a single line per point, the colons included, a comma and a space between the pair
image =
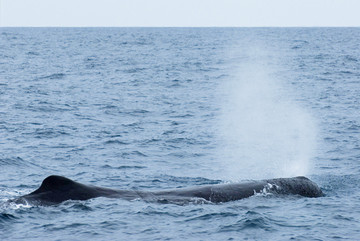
x: 57, y: 189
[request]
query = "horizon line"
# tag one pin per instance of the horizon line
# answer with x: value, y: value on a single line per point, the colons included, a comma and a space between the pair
x: 103, y: 26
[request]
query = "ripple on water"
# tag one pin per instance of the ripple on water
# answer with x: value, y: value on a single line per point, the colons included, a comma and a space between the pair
x: 251, y: 220
x: 12, y: 161
x: 107, y: 166
x: 55, y: 76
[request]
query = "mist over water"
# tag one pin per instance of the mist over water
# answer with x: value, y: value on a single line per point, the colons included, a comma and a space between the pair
x: 264, y: 133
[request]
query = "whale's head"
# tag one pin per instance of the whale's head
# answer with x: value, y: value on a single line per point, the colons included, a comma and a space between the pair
x: 297, y: 186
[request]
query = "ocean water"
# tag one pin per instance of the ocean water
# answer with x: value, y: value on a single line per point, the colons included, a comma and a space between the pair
x: 156, y: 108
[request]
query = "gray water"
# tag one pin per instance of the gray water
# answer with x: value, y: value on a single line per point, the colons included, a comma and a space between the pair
x: 156, y: 108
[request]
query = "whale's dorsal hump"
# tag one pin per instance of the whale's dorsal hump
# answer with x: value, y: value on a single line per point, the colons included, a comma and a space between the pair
x: 54, y: 183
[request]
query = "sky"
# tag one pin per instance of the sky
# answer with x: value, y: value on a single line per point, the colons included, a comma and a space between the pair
x: 179, y: 13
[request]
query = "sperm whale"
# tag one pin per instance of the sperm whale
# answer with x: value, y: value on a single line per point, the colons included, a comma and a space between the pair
x: 57, y: 189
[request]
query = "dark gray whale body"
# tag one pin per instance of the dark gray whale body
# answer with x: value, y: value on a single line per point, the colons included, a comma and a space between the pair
x: 57, y: 189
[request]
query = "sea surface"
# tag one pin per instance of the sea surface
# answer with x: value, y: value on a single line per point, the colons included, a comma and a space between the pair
x: 159, y: 108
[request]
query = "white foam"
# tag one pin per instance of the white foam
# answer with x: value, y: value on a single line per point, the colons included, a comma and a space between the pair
x: 15, y: 206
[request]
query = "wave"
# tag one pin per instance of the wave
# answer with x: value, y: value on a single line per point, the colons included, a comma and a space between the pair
x: 12, y: 161
x: 56, y: 76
